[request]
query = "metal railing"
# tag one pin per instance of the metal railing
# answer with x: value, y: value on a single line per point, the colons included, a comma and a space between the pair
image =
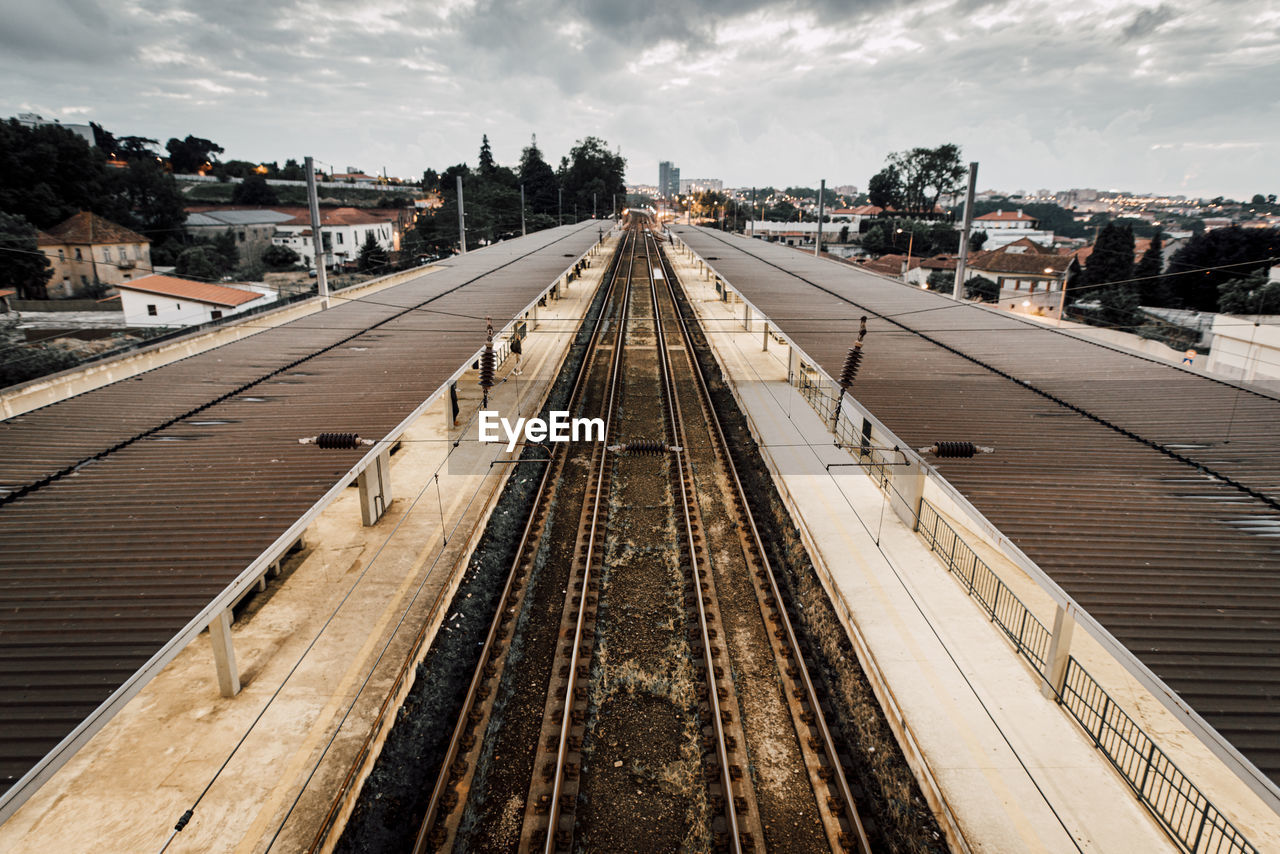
x: 1184, y: 811
x: 1178, y: 804
x: 1023, y: 628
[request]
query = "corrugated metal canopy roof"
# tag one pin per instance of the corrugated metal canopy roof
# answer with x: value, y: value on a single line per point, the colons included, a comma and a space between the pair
x: 125, y: 511
x: 1147, y: 492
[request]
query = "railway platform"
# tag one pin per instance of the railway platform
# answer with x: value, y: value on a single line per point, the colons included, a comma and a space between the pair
x: 1008, y: 770
x: 318, y: 652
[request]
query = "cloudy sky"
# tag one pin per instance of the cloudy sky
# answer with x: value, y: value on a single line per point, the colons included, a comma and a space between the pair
x: 1173, y: 96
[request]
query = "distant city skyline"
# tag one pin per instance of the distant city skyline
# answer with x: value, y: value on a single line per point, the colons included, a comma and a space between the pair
x: 1148, y: 97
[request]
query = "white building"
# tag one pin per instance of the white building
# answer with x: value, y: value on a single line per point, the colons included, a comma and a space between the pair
x: 1030, y: 277
x: 157, y: 300
x: 855, y: 216
x: 1004, y: 227
x: 1247, y: 347
x: 343, y: 231
x: 700, y: 185
x: 34, y: 120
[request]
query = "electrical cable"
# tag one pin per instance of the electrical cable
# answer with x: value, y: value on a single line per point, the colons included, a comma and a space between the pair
x: 1151, y: 443
x: 315, y: 639
x: 920, y: 609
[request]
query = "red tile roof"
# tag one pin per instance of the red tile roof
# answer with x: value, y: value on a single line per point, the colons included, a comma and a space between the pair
x: 172, y: 286
x: 939, y: 262
x: 890, y: 265
x: 1007, y: 216
x: 1028, y: 263
x: 89, y: 228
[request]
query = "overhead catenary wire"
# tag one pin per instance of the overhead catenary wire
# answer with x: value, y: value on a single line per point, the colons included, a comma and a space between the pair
x: 889, y: 562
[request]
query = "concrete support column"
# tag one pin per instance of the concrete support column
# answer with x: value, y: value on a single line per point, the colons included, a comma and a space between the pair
x: 746, y: 317
x: 906, y: 484
x: 1064, y: 623
x: 793, y: 367
x: 375, y: 488
x: 764, y: 342
x: 224, y: 654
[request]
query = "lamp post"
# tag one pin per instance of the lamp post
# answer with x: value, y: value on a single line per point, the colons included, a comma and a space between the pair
x: 910, y: 243
x: 1062, y: 302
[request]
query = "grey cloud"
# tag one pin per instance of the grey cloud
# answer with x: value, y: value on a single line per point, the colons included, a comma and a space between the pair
x: 1039, y: 95
x: 1148, y: 21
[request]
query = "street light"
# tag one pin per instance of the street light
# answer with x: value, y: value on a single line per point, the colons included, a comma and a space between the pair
x: 910, y: 243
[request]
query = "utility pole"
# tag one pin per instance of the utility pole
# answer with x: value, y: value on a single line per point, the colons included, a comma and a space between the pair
x: 753, y: 211
x: 522, y: 231
x: 822, y: 192
x: 317, y: 240
x: 613, y: 214
x: 462, y: 219
x: 593, y: 205
x: 964, y: 232
x: 560, y: 207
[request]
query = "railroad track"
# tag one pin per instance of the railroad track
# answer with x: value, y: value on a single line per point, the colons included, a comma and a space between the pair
x: 440, y: 825
x: 650, y: 673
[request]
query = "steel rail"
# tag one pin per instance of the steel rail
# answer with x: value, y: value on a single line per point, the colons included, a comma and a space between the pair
x: 562, y: 749
x: 422, y: 843
x: 677, y: 438
x: 828, y: 741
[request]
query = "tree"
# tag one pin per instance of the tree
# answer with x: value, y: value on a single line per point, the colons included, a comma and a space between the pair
x: 783, y: 211
x: 133, y: 148
x: 885, y: 188
x: 280, y: 258
x: 103, y: 138
x: 34, y: 361
x: 292, y: 171
x: 439, y: 229
x: 149, y: 200
x: 1112, y: 257
x: 25, y: 267
x: 1254, y: 294
x: 1107, y: 277
x: 49, y: 173
x: 876, y: 241
x: 254, y: 190
x: 1259, y: 199
x: 592, y: 172
x: 487, y: 166
x: 927, y: 174
x: 539, y: 180
x: 1151, y: 289
x: 372, y: 257
x: 1207, y: 260
x: 980, y: 287
x: 941, y: 280
x: 192, y: 154
x: 196, y: 264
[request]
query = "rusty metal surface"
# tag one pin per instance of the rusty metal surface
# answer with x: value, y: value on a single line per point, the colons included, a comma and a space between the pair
x: 1149, y: 493
x: 129, y: 508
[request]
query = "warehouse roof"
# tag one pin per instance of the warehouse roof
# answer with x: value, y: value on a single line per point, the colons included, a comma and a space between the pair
x: 1149, y: 493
